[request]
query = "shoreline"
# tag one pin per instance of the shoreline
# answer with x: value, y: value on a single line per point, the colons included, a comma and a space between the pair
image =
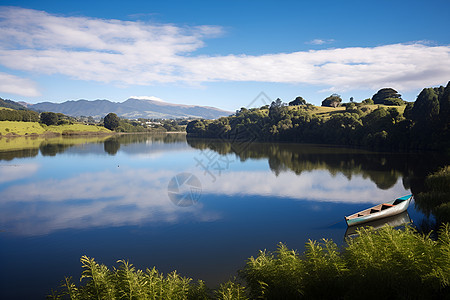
x: 51, y: 134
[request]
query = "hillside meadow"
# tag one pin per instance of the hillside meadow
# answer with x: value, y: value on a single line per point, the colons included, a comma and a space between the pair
x: 13, y: 128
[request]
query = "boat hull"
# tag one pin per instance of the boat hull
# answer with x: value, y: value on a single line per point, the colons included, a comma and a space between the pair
x: 391, y: 211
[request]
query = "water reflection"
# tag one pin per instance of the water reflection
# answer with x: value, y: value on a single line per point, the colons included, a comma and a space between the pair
x: 61, y: 191
x: 394, y: 221
x: 107, y: 197
x: 103, y: 199
x: 24, y: 147
x: 384, y: 169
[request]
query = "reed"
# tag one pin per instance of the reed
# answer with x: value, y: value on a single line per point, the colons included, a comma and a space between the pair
x: 127, y: 282
x: 231, y: 290
x: 382, y: 264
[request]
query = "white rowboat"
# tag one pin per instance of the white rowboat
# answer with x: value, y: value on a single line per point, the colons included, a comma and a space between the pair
x: 379, y: 211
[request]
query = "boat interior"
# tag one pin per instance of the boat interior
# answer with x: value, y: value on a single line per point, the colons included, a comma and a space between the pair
x: 375, y: 209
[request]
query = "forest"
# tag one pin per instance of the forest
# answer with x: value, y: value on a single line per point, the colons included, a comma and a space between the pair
x: 422, y: 125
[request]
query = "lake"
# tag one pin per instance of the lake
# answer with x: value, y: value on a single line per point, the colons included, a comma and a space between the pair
x: 201, y: 207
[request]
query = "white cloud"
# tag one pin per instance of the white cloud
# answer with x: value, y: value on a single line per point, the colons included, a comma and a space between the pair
x: 140, y: 53
x: 19, y: 86
x: 320, y: 42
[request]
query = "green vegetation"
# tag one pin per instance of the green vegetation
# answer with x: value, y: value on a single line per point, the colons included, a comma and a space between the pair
x: 11, y: 104
x: 8, y: 114
x: 333, y: 101
x: 111, y: 121
x: 11, y: 128
x: 383, y: 264
x: 386, y: 96
x: 49, y: 118
x: 297, y: 101
x: 20, y: 128
x: 127, y: 282
x: 27, y: 122
x: 424, y: 124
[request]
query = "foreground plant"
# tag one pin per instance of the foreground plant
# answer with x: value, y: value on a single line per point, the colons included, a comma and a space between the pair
x: 126, y: 282
x: 383, y: 264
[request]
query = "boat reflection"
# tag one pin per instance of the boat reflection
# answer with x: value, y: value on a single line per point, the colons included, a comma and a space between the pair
x: 394, y: 221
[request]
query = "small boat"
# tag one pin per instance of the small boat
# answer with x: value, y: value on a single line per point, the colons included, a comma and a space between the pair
x: 394, y: 221
x: 379, y: 211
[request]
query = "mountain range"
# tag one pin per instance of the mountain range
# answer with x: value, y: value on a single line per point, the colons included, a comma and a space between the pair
x: 132, y: 108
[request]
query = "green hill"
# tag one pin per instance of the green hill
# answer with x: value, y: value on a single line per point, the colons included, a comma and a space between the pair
x: 11, y: 104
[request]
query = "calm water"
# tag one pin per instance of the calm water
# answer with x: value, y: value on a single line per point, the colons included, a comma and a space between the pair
x: 198, y: 206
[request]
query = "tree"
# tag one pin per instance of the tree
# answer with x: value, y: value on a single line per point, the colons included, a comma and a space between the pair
x: 276, y: 109
x: 298, y: 101
x: 393, y: 102
x: 111, y: 121
x: 196, y: 127
x: 49, y: 118
x: 426, y: 107
x: 332, y: 101
x: 384, y: 94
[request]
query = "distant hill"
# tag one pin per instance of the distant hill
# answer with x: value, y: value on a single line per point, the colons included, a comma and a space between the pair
x: 131, y: 108
x: 11, y: 104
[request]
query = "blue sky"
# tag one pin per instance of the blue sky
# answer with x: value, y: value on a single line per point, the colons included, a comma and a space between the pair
x: 221, y: 53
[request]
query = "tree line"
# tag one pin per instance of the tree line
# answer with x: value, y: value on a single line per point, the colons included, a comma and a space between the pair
x: 424, y: 124
x: 19, y: 115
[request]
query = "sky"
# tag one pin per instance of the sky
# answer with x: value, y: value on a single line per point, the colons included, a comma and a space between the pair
x: 221, y: 53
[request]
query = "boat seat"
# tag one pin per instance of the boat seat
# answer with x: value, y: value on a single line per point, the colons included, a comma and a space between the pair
x: 386, y: 206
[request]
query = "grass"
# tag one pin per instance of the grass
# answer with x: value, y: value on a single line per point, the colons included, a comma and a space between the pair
x: 326, y: 111
x: 33, y: 128
x: 383, y: 264
x: 20, y: 128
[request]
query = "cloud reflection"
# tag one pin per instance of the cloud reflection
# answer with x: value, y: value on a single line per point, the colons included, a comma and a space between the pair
x: 130, y: 197
x: 139, y: 196
x: 317, y: 185
x: 10, y: 172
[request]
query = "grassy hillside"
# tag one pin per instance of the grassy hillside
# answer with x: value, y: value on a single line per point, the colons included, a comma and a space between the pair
x: 324, y: 111
x: 20, y: 128
x: 29, y: 128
